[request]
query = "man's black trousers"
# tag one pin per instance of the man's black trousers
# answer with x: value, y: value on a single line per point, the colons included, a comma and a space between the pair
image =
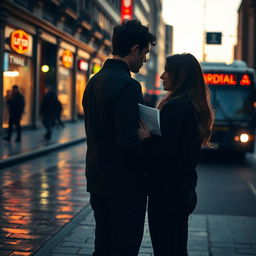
x: 119, y: 223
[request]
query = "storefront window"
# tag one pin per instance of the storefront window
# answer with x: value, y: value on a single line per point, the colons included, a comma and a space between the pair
x: 80, y: 86
x: 64, y: 91
x: 18, y: 71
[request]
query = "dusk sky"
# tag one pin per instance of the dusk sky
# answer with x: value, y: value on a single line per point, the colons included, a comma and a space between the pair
x: 190, y: 17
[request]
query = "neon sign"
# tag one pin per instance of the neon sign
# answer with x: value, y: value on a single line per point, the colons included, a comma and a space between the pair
x: 19, y: 41
x: 245, y: 80
x: 126, y: 9
x: 227, y: 79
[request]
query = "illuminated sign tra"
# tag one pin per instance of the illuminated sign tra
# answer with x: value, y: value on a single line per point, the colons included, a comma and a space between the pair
x: 126, y: 9
x: 67, y: 59
x: 226, y: 79
x: 83, y: 65
x: 19, y: 41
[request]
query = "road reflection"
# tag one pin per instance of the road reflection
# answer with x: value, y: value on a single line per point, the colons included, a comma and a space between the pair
x: 35, y: 204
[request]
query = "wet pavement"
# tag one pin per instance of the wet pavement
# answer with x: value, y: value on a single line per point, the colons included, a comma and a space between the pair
x: 34, y: 144
x: 38, y: 198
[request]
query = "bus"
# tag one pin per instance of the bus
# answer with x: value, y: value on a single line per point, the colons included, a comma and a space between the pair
x: 233, y: 97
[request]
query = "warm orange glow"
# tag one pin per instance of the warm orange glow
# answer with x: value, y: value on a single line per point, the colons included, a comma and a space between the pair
x: 19, y: 41
x: 64, y: 216
x: 220, y: 79
x: 254, y: 104
x: 67, y: 58
x: 245, y: 80
x: 16, y: 230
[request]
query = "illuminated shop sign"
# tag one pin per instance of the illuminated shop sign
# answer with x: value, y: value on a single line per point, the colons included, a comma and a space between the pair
x: 82, y: 65
x: 96, y: 68
x: 67, y: 59
x: 227, y: 79
x: 17, y: 60
x: 126, y: 9
x: 19, y: 41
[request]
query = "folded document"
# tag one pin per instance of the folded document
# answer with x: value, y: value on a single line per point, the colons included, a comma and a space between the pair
x: 151, y: 117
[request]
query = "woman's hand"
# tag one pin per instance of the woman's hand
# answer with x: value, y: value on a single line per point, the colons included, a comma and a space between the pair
x: 143, y: 131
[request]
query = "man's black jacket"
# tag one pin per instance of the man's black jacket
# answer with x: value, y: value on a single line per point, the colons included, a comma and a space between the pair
x: 114, y: 160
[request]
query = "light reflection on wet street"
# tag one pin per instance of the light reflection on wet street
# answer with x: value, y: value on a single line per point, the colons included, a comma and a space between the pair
x: 38, y: 197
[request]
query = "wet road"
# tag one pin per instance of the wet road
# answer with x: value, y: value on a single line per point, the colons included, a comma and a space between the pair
x: 226, y: 186
x: 39, y: 196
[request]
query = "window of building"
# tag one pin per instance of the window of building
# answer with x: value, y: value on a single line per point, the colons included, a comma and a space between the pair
x: 80, y: 87
x: 18, y: 71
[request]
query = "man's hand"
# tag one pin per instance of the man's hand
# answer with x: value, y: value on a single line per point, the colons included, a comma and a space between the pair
x: 143, y: 131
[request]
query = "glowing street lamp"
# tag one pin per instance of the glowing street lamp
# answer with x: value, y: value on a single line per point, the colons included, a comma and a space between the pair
x: 45, y: 68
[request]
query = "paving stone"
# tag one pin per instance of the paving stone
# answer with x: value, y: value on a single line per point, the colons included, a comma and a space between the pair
x: 65, y: 250
x: 246, y: 251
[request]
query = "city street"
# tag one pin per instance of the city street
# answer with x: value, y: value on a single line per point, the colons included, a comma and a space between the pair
x: 45, y: 209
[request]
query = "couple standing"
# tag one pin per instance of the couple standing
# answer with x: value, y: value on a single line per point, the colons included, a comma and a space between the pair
x: 126, y: 165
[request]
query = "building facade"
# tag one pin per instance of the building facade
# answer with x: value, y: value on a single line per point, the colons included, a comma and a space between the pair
x: 61, y: 43
x: 246, y: 47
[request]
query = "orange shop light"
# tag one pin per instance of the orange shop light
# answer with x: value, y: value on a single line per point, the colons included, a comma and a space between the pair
x: 67, y: 59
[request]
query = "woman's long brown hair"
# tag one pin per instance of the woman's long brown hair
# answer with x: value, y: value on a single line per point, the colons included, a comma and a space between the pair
x: 187, y: 80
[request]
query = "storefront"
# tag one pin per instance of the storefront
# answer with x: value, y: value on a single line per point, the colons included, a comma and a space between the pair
x: 36, y: 55
x: 18, y: 70
x: 65, y: 73
x: 81, y: 79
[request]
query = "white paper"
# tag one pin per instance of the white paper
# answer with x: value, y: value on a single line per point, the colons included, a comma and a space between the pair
x: 151, y: 117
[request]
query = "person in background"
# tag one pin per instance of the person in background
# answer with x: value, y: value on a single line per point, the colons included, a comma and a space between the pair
x: 7, y: 100
x: 115, y: 169
x: 48, y: 111
x: 186, y: 119
x: 16, y: 105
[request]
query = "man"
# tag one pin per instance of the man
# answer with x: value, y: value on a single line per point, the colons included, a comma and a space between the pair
x: 49, y: 111
x: 114, y: 162
x: 16, y: 104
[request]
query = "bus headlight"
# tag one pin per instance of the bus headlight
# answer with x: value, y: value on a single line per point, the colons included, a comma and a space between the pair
x: 244, y: 137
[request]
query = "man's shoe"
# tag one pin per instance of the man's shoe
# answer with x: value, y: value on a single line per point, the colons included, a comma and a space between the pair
x: 18, y: 140
x: 7, y: 139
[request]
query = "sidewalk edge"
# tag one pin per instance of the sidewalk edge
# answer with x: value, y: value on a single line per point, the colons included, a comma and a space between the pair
x: 251, y: 159
x: 32, y: 154
x: 47, y: 248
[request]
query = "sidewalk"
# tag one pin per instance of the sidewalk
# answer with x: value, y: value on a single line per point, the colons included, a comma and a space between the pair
x: 209, y: 235
x: 34, y: 144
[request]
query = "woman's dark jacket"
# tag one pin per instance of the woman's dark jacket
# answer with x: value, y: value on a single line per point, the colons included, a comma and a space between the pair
x: 175, y: 154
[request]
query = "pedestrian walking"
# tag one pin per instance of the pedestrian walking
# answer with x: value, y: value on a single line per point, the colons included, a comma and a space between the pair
x: 59, y: 110
x: 114, y: 161
x: 186, y: 120
x: 48, y: 111
x: 16, y: 105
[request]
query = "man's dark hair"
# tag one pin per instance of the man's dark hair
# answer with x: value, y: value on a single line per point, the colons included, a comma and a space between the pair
x: 15, y: 86
x: 129, y: 33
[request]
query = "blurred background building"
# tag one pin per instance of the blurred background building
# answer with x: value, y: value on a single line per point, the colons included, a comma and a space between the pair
x: 246, y: 47
x: 61, y: 43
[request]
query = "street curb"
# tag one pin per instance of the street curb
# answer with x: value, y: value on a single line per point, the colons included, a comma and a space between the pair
x: 251, y: 159
x: 12, y: 160
x: 47, y: 248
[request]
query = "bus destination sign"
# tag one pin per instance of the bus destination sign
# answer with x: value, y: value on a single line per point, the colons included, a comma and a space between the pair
x: 227, y: 79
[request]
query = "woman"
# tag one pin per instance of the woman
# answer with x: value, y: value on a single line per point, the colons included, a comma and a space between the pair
x: 186, y: 119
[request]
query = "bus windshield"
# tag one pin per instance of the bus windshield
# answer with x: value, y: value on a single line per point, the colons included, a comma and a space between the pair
x: 233, y: 104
